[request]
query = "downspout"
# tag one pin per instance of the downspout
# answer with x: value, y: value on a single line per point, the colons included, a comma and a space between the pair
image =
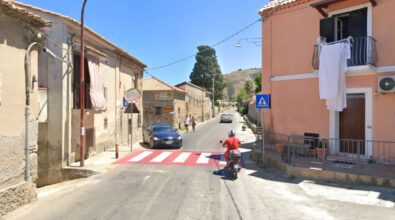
x: 28, y: 89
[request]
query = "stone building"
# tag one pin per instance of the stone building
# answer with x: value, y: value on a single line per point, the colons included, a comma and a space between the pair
x: 19, y: 31
x: 197, y: 101
x: 163, y: 103
x: 109, y: 73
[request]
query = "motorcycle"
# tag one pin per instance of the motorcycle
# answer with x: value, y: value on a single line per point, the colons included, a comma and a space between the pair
x: 233, y: 164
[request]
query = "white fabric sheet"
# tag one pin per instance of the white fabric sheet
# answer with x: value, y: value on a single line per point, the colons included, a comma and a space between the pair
x: 332, y: 79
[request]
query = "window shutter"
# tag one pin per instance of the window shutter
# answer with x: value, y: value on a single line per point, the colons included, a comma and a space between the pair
x: 327, y: 29
x: 358, y: 23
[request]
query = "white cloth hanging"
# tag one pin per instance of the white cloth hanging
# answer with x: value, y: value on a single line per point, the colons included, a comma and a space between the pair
x: 332, y: 79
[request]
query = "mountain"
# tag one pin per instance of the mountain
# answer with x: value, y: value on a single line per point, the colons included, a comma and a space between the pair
x: 234, y: 81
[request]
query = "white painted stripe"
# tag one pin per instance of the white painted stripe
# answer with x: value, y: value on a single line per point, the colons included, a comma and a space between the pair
x: 222, y: 161
x: 182, y: 157
x: 140, y: 156
x: 203, y: 158
x: 161, y: 157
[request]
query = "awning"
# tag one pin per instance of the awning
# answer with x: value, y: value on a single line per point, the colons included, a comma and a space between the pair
x: 132, y: 108
x: 96, y: 88
x: 325, y: 3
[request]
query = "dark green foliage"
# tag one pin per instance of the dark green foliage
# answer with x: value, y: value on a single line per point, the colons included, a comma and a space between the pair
x: 258, y: 83
x: 205, y: 68
x: 249, y: 88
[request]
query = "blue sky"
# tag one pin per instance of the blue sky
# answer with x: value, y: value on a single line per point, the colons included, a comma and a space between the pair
x: 159, y: 32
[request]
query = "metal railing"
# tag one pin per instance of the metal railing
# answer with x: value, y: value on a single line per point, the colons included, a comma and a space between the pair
x: 299, y: 150
x: 363, y: 52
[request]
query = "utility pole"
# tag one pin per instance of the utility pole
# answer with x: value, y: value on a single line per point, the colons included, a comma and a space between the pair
x: 82, y: 90
x: 213, y: 98
x: 203, y: 97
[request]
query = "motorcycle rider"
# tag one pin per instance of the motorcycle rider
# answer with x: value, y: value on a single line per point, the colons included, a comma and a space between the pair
x: 231, y: 143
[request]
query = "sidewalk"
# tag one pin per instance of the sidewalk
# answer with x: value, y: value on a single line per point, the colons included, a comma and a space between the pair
x: 101, y: 162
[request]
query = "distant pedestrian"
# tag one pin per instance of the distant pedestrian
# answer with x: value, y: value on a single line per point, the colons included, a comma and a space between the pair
x: 193, y: 123
x: 187, y: 121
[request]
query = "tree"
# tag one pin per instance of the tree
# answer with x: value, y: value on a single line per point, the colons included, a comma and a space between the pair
x: 231, y: 91
x: 258, y: 83
x: 242, y: 97
x: 206, y: 67
x: 249, y: 88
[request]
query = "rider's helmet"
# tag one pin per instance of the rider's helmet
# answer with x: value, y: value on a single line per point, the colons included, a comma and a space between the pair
x: 231, y: 133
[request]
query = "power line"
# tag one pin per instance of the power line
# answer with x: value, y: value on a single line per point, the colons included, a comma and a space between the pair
x: 214, y: 45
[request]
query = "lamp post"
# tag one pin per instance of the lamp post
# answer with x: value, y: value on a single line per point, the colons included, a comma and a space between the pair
x: 257, y: 41
x: 82, y: 90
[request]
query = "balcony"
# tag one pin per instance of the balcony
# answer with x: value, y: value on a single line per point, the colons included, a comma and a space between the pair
x: 363, y: 52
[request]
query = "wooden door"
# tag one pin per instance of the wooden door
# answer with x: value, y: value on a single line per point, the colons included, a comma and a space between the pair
x: 352, y: 125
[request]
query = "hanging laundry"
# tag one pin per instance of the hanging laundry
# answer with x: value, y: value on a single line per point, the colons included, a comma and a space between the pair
x: 332, y: 79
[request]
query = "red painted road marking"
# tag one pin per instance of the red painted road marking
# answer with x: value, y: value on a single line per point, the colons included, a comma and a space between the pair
x: 174, y: 157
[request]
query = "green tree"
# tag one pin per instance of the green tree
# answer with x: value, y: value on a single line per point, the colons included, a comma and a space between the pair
x: 231, y: 91
x: 207, y: 69
x: 258, y: 83
x: 249, y: 88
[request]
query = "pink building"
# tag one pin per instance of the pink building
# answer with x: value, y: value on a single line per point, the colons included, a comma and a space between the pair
x: 290, y: 30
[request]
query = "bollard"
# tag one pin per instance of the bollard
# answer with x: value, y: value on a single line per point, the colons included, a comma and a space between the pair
x: 116, y: 151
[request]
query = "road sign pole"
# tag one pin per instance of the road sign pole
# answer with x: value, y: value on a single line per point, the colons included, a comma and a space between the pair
x: 263, y: 101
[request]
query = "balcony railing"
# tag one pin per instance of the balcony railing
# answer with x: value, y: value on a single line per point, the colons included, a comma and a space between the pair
x: 363, y: 52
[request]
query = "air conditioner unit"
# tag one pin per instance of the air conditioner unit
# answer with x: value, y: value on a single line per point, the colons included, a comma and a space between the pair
x: 386, y: 84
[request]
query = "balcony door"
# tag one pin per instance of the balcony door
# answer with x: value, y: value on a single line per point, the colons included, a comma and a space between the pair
x: 353, y: 23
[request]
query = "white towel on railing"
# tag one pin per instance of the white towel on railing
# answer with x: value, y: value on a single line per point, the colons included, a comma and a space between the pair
x: 332, y: 79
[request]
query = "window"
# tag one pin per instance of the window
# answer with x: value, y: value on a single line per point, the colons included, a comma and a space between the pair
x: 76, y: 83
x: 158, y: 110
x: 105, y: 123
x: 354, y: 24
x: 105, y: 93
x: 337, y: 27
x: 179, y: 110
x: 139, y: 120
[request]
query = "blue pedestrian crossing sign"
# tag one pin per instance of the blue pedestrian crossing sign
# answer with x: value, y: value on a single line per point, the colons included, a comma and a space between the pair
x: 263, y: 101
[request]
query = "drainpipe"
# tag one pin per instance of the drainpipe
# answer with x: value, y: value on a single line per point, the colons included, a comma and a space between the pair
x: 28, y: 89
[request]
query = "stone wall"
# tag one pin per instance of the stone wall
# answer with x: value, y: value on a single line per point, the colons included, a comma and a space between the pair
x: 14, y: 191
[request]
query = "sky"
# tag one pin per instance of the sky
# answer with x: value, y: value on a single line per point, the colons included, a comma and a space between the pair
x: 158, y: 32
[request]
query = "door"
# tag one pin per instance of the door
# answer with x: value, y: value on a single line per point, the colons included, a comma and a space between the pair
x: 352, y: 125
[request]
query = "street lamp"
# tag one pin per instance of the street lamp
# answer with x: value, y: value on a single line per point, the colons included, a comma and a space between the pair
x: 257, y: 41
x: 82, y: 90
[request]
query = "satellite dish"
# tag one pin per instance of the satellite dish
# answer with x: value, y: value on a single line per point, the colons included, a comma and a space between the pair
x: 131, y: 95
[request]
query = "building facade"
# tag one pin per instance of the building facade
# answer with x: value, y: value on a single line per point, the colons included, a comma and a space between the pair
x: 197, y: 101
x: 20, y: 31
x: 290, y: 31
x: 109, y: 73
x: 163, y: 103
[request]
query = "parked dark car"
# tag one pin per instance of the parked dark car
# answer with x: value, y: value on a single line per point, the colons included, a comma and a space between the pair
x: 160, y: 135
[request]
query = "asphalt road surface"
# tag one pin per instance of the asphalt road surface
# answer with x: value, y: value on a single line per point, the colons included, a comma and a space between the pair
x: 166, y: 191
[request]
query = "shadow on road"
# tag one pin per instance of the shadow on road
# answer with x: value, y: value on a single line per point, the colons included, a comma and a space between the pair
x: 273, y: 174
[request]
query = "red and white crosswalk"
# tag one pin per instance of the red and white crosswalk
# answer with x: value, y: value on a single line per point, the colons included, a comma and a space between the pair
x: 174, y: 157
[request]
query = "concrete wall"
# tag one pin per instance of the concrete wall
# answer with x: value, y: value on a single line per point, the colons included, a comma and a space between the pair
x: 14, y: 191
x: 60, y: 135
x: 254, y: 115
x: 296, y: 107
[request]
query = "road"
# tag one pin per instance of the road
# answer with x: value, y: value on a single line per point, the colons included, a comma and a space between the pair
x: 158, y: 191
